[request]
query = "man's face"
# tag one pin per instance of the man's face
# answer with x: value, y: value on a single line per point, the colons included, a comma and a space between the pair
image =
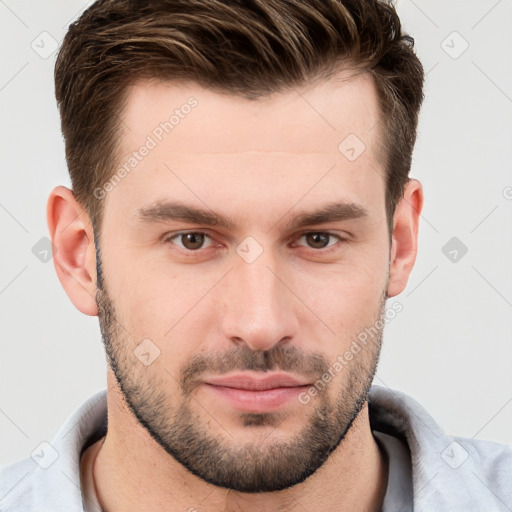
x: 254, y: 297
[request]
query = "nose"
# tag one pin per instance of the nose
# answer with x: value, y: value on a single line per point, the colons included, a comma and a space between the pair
x: 259, y: 304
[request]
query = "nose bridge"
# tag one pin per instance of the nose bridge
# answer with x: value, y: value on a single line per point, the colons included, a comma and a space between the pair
x: 258, y: 306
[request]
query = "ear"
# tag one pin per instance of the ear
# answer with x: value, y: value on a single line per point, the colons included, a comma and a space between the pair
x: 75, y: 258
x: 404, y: 245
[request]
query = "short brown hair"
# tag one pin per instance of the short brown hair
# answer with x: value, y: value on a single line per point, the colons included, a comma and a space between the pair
x: 249, y: 48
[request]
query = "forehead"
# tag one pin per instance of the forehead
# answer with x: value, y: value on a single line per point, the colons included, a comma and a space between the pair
x: 310, y: 119
x: 315, y: 141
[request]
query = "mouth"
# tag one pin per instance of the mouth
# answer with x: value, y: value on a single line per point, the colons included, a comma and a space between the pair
x: 252, y: 393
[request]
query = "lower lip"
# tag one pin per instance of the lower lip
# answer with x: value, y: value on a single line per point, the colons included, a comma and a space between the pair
x: 264, y: 400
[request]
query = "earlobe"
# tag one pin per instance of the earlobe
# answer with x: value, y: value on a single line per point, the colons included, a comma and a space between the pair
x: 75, y: 258
x: 405, y: 237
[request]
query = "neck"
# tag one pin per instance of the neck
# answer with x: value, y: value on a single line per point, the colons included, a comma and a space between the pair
x: 132, y: 472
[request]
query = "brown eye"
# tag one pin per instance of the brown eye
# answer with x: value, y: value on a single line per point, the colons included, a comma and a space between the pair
x: 317, y: 240
x: 320, y: 240
x: 191, y: 241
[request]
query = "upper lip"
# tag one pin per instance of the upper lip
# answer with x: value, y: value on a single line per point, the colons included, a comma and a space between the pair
x: 244, y: 381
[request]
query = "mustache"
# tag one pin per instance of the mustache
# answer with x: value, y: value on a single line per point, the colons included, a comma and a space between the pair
x: 287, y: 358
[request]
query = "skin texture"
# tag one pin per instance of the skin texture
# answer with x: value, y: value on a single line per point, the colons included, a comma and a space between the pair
x: 172, y: 443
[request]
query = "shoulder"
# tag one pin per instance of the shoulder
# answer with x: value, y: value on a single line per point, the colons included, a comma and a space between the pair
x: 449, y: 472
x: 16, y: 481
x: 493, y: 460
x: 49, y: 479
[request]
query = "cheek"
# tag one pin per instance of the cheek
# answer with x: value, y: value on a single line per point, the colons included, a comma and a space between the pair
x: 172, y: 310
x: 347, y: 289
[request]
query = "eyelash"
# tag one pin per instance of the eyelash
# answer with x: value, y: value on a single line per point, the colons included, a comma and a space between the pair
x: 168, y: 237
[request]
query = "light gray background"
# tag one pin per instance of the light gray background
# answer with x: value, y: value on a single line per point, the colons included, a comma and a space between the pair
x: 450, y: 347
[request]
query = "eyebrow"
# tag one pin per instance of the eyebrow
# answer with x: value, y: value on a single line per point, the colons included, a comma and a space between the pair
x: 162, y: 211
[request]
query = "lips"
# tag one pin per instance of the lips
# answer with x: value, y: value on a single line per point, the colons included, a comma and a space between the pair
x: 250, y: 383
x: 254, y: 393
